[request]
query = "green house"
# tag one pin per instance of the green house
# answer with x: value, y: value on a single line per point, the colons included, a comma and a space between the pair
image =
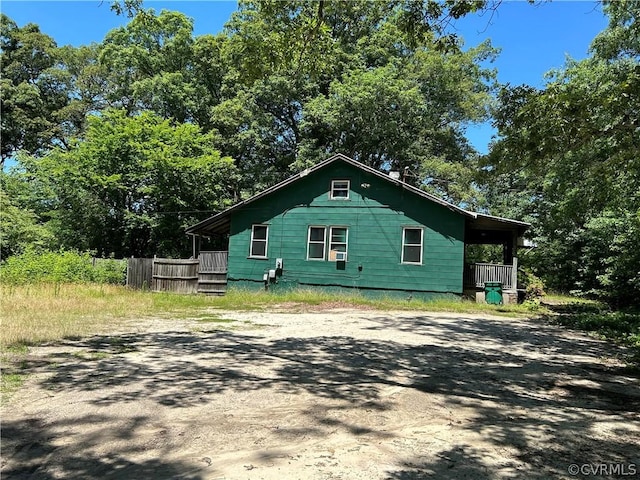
x: 343, y: 225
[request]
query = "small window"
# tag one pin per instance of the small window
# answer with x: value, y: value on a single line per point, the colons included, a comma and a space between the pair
x: 412, y: 245
x: 339, y: 190
x: 259, y: 234
x: 338, y: 243
x: 316, y: 243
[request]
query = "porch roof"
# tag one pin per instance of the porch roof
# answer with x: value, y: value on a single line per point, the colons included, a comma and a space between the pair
x: 485, y: 222
x: 490, y: 230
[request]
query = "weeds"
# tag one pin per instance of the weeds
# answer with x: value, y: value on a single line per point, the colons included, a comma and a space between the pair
x: 598, y: 319
x: 91, y: 355
x: 33, y: 314
x: 32, y: 267
x: 212, y: 319
x: 9, y: 383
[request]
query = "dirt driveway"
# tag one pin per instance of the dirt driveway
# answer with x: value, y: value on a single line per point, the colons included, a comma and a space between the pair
x: 326, y: 395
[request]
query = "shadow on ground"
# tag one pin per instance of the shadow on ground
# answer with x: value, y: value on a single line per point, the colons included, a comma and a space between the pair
x: 33, y: 455
x: 532, y: 389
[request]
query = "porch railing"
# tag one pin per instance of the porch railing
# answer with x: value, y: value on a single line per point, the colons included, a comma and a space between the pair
x: 477, y: 274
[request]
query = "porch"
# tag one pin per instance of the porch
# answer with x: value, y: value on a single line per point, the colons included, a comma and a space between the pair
x: 498, y: 237
x: 477, y: 274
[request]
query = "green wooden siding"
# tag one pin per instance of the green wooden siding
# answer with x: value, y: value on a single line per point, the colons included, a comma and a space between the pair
x: 375, y: 215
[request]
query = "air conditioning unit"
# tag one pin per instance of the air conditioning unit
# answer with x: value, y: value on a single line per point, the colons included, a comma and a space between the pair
x: 341, y: 256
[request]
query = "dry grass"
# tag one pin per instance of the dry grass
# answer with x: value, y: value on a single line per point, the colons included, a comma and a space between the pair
x: 41, y: 313
x: 33, y: 314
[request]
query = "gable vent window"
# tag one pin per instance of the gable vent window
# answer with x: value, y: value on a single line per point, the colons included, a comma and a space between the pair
x: 412, y: 245
x: 259, y: 236
x: 339, y: 190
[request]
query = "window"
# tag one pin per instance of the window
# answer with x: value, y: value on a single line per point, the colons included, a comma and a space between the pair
x: 338, y: 243
x: 316, y: 243
x: 259, y: 235
x: 339, y: 190
x: 412, y: 245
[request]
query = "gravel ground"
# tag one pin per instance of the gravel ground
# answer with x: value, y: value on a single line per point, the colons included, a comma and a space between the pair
x: 328, y: 394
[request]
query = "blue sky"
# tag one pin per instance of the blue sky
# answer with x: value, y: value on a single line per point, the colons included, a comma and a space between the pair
x: 533, y: 38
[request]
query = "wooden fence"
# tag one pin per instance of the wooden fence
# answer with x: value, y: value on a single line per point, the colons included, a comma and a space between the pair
x: 206, y: 274
x: 171, y: 275
x: 140, y: 273
x: 212, y: 275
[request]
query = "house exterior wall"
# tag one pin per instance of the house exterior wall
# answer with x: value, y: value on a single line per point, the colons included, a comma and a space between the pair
x: 374, y: 214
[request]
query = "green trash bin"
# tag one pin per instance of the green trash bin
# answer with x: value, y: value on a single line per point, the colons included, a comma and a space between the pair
x: 493, y: 293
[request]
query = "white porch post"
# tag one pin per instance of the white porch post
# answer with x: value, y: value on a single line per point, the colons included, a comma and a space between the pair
x: 194, y: 246
x: 514, y: 274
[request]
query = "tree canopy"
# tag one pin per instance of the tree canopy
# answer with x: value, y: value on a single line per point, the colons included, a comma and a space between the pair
x: 572, y: 154
x: 122, y: 143
x: 133, y: 184
x: 118, y: 141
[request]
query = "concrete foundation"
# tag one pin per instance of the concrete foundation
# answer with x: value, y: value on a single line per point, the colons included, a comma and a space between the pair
x: 509, y: 297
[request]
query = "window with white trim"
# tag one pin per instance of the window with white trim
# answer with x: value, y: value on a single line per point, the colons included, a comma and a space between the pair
x: 338, y: 238
x: 259, y: 239
x: 316, y: 241
x: 412, y: 245
x: 335, y: 243
x: 339, y: 190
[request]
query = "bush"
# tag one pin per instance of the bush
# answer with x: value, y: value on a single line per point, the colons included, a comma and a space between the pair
x: 622, y: 326
x: 60, y: 267
x: 533, y: 285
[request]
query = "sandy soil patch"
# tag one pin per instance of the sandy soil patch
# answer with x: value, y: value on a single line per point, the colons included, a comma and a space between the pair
x: 323, y: 395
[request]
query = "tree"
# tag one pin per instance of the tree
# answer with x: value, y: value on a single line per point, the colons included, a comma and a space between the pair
x: 407, y: 114
x: 148, y: 61
x: 20, y: 229
x: 46, y: 91
x: 128, y: 141
x: 573, y: 148
x: 133, y: 184
x: 32, y: 92
x: 311, y: 78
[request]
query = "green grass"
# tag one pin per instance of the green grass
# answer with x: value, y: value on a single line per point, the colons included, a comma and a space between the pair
x: 35, y: 314
x: 91, y: 355
x: 239, y: 299
x: 212, y: 319
x: 596, y: 318
x: 9, y: 383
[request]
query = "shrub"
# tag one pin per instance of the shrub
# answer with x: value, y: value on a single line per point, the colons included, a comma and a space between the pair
x: 60, y: 267
x: 533, y: 285
x: 109, y: 270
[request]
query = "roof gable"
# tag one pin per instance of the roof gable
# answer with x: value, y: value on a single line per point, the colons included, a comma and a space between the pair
x: 220, y: 222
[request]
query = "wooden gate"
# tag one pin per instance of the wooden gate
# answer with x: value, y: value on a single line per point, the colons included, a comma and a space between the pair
x: 207, y: 274
x: 140, y: 273
x: 171, y: 275
x: 212, y: 276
